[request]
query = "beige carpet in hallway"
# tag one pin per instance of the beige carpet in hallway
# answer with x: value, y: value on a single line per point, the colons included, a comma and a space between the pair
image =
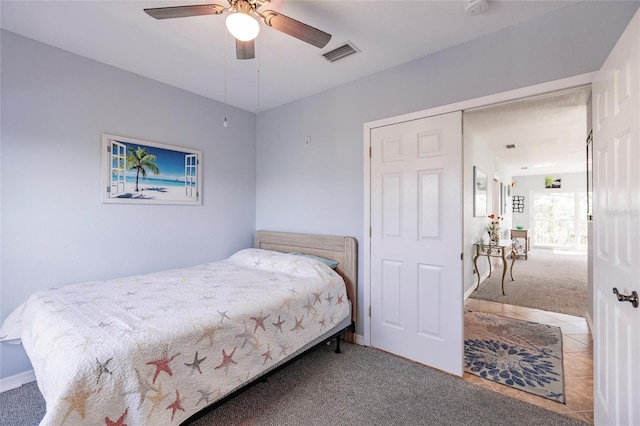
x: 550, y: 280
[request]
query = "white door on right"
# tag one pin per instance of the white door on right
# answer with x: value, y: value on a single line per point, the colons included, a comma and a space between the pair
x: 616, y: 238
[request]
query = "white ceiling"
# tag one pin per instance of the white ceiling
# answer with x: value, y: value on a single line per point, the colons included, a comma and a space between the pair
x: 549, y: 132
x: 190, y: 53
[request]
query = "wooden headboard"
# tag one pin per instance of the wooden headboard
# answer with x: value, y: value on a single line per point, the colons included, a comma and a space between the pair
x: 343, y: 250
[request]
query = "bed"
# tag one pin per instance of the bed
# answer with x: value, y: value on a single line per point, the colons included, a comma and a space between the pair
x: 160, y: 348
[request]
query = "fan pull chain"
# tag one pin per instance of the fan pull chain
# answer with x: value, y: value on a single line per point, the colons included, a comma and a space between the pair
x: 225, y: 124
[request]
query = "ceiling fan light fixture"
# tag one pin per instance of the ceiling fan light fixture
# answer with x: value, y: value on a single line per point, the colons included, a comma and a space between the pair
x: 242, y: 26
x: 244, y: 22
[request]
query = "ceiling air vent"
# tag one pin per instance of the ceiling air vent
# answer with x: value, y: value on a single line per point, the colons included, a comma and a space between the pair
x: 510, y: 146
x: 341, y: 52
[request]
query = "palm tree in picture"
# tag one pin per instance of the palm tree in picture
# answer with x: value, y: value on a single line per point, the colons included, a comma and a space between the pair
x: 140, y: 160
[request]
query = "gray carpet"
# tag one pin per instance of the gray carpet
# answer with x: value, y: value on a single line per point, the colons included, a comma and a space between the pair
x: 23, y: 406
x: 548, y: 280
x: 361, y: 386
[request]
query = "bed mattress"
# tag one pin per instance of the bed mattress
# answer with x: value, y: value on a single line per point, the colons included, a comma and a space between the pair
x: 156, y: 348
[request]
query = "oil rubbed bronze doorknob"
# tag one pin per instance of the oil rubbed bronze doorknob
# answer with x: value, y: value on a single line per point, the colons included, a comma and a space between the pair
x: 624, y: 298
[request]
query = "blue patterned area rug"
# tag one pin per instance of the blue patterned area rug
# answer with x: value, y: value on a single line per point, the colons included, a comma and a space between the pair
x: 521, y: 354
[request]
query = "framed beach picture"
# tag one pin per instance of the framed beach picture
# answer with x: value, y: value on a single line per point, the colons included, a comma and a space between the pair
x: 479, y: 192
x: 143, y: 172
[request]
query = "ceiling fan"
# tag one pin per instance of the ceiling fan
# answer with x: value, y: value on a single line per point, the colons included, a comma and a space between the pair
x: 243, y: 25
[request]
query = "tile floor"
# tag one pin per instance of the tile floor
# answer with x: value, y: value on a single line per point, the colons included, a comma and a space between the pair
x: 577, y: 353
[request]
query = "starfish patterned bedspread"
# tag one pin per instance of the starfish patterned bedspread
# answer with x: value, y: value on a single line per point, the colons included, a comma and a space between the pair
x: 154, y: 349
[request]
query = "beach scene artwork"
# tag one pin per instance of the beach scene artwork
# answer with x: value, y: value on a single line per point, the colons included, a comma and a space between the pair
x: 143, y: 172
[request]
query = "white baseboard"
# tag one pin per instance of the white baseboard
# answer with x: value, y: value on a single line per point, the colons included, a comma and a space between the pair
x: 589, y: 322
x: 475, y: 286
x: 359, y: 339
x: 13, y: 382
x: 468, y: 292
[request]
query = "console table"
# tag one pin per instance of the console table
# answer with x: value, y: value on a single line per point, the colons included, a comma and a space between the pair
x: 524, y: 234
x: 499, y: 249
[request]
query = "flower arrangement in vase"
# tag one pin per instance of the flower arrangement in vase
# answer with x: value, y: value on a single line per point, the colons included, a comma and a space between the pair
x: 493, y: 227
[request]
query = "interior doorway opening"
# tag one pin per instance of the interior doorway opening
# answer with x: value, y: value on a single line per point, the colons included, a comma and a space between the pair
x: 552, y: 209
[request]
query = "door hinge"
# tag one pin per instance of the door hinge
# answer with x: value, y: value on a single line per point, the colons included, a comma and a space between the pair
x: 462, y: 256
x: 109, y: 148
x: 370, y: 232
x: 108, y: 189
x: 369, y: 311
x: 370, y: 152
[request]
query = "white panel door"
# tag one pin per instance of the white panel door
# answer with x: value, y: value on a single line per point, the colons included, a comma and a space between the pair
x: 616, y: 219
x: 416, y: 240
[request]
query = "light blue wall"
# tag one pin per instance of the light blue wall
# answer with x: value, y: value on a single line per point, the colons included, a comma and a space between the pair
x: 320, y: 188
x: 55, y: 230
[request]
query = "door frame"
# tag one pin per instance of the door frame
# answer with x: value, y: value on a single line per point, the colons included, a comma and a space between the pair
x: 510, y: 95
